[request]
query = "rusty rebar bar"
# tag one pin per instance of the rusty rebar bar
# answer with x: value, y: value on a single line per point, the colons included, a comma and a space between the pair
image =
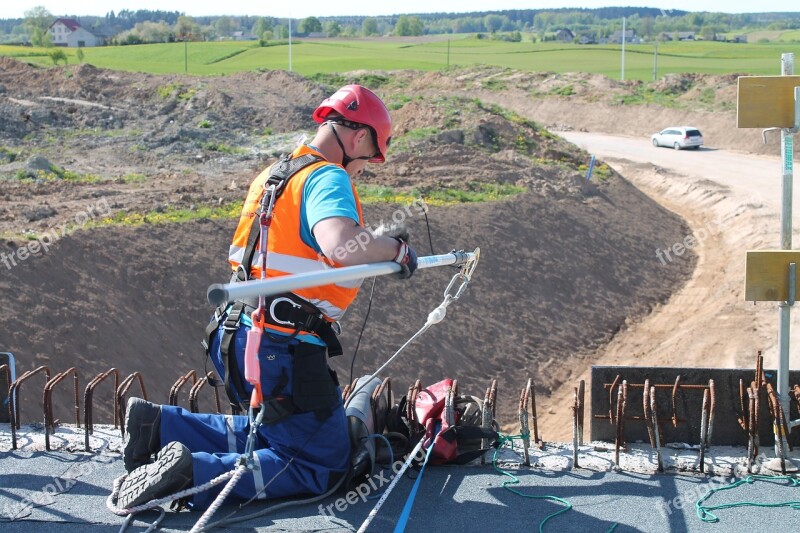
x: 760, y: 377
x: 656, y: 429
x: 575, y: 404
x: 88, y: 400
x: 375, y: 402
x: 581, y: 409
x: 752, y: 445
x: 704, y: 431
x: 450, y: 404
x: 13, y: 398
x: 744, y: 418
x: 487, y: 413
x: 611, y: 399
x: 538, y: 440
x: 523, y: 422
x: 620, y: 422
x: 411, y: 406
x: 195, y: 390
x: 176, y: 388
x: 675, y: 389
x: 646, y: 409
x: 712, y: 395
x: 47, y: 400
x: 122, y: 390
x: 797, y: 396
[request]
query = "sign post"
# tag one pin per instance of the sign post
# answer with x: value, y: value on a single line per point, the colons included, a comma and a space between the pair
x: 773, y: 102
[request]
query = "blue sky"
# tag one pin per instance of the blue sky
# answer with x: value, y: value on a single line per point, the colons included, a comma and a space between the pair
x: 306, y: 8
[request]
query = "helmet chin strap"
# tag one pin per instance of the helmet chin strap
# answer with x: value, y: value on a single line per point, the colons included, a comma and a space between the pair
x: 346, y: 159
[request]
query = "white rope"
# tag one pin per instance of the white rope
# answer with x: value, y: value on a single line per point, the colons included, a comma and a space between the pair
x: 112, y: 498
x: 374, y: 512
x: 201, y: 524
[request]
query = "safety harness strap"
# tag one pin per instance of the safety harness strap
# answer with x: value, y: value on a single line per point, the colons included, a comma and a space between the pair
x: 279, y: 175
x: 231, y: 378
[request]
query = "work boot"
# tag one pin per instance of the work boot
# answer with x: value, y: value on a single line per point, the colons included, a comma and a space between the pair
x: 171, y: 472
x: 142, y: 433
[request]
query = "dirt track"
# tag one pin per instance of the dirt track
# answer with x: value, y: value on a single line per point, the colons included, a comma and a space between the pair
x: 735, y: 198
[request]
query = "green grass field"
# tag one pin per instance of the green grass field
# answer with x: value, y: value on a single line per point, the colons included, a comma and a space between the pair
x: 331, y: 55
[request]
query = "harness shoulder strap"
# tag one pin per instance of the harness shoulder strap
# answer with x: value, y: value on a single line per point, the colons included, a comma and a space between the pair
x: 280, y: 173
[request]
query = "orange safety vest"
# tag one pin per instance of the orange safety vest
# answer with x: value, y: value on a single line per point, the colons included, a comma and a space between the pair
x: 287, y: 253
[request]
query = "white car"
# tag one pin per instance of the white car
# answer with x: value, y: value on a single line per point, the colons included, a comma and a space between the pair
x: 678, y: 137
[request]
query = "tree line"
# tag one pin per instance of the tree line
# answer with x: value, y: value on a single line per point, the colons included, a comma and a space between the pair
x: 148, y: 26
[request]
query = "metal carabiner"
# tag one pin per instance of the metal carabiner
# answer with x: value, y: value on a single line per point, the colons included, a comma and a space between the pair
x: 464, y: 276
x: 272, y: 311
x: 269, y: 192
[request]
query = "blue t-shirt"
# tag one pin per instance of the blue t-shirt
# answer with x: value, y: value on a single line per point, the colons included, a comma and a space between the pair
x: 327, y: 193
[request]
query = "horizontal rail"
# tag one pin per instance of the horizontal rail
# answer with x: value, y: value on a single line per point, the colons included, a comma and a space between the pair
x: 219, y: 293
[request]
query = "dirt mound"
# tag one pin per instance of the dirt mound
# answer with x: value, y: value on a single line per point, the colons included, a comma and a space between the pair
x: 564, y: 265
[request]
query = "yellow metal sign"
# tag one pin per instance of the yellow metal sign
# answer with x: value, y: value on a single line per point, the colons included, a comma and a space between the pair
x: 766, y: 101
x: 767, y: 275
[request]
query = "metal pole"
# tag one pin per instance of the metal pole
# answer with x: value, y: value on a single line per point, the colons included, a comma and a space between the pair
x: 787, y: 154
x: 623, y: 48
x: 290, y: 45
x: 220, y: 293
x: 655, y: 62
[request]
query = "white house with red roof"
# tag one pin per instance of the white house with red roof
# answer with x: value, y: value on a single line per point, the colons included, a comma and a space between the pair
x: 69, y: 32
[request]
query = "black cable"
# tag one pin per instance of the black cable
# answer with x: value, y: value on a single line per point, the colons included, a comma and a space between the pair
x: 428, y: 224
x: 363, y: 327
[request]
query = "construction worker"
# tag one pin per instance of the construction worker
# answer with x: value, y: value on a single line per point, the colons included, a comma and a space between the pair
x: 302, y: 445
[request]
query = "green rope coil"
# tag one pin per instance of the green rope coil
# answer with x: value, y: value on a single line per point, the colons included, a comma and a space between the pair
x: 704, y: 512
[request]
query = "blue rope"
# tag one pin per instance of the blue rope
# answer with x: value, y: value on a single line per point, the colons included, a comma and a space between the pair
x: 403, y: 520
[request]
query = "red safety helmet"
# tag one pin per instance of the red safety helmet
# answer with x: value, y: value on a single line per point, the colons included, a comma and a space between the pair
x: 358, y: 104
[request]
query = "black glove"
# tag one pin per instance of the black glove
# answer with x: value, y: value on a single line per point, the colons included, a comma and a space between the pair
x: 407, y: 259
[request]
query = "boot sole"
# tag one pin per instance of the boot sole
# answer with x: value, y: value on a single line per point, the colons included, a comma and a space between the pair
x: 158, y: 479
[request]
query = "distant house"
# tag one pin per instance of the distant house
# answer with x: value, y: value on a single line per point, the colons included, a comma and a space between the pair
x: 587, y: 39
x: 739, y: 39
x: 69, y: 32
x: 630, y: 37
x: 685, y: 36
x: 565, y: 35
x: 664, y: 36
x: 243, y: 36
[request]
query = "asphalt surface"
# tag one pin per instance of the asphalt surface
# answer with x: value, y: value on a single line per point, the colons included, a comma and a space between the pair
x: 66, y: 491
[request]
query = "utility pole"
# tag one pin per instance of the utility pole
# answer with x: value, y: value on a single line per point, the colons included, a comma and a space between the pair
x: 787, y: 154
x: 655, y: 62
x: 290, y: 45
x: 623, y: 48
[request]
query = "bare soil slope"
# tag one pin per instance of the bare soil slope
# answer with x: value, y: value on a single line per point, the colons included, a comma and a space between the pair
x: 565, y: 265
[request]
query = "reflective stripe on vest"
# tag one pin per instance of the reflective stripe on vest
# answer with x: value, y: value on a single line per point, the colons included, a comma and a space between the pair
x: 287, y: 253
